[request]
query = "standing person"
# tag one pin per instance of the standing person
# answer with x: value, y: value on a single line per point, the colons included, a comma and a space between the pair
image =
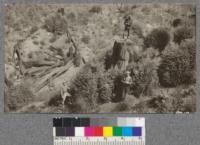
x: 127, y: 24
x: 66, y: 97
x: 126, y: 82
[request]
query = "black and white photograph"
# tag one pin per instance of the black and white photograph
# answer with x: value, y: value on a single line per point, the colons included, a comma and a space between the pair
x: 100, y: 58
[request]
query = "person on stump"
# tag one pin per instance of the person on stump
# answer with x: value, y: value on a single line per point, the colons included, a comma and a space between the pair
x: 127, y: 24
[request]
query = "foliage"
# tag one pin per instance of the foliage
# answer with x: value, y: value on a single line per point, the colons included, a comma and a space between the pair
x: 182, y: 33
x: 158, y: 38
x: 33, y: 30
x: 189, y: 47
x: 85, y: 39
x: 85, y: 86
x: 160, y: 103
x: 177, y: 65
x: 96, y: 9
x: 56, y: 100
x: 144, y: 75
x: 177, y: 22
x: 183, y: 99
x: 105, y: 88
x: 56, y: 24
x: 18, y: 96
x: 136, y: 29
x: 122, y: 106
x: 93, y: 85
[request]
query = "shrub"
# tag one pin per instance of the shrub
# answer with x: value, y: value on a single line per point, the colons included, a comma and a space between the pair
x: 18, y: 96
x: 158, y: 38
x: 105, y: 89
x: 182, y: 33
x: 177, y: 101
x: 71, y: 16
x: 85, y: 87
x: 146, y: 10
x: 42, y: 43
x: 177, y: 22
x: 136, y: 29
x: 144, y: 75
x: 123, y: 106
x: 33, y: 29
x: 177, y: 66
x: 53, y: 39
x: 55, y: 100
x: 85, y: 39
x: 35, y: 42
x: 96, y: 9
x: 189, y: 47
x: 56, y: 24
x: 93, y: 85
x: 160, y: 104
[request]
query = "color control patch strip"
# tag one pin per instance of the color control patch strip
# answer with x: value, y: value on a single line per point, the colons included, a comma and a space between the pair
x: 106, y: 131
x: 128, y: 130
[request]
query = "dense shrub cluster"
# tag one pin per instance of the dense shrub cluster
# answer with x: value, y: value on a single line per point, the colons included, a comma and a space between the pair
x: 177, y: 65
x: 84, y: 87
x: 189, y: 47
x: 160, y: 103
x: 93, y: 86
x: 158, y: 38
x: 145, y: 78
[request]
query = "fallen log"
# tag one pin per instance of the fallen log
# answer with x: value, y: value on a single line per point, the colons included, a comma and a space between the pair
x: 53, y: 75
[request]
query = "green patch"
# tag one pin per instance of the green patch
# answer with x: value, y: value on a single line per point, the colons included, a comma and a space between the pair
x: 117, y: 131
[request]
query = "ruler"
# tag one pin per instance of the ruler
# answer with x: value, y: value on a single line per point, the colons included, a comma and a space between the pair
x: 99, y: 131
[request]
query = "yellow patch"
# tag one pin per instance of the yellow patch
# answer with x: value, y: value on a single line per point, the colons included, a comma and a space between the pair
x: 107, y: 131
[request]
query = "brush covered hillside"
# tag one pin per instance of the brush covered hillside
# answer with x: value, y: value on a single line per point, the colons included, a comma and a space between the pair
x: 60, y: 58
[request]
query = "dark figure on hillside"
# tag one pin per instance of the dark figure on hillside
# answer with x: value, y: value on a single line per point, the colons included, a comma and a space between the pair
x: 127, y: 24
x: 126, y: 82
